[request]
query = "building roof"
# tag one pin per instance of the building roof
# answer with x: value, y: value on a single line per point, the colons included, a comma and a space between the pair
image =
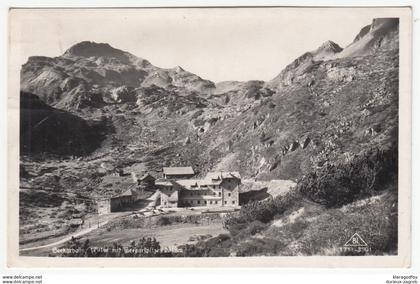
x: 165, y: 182
x: 178, y: 171
x: 128, y: 192
x: 190, y: 183
x: 145, y: 176
x: 212, y: 178
x: 110, y: 185
x: 222, y: 175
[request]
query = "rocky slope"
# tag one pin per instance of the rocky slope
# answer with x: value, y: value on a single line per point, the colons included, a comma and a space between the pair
x: 89, y: 73
x: 382, y: 34
x: 327, y: 106
x: 304, y: 63
x: 45, y: 129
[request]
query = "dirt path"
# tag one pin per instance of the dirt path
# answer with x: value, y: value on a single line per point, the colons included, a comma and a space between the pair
x: 66, y: 239
x: 168, y: 236
x: 80, y: 233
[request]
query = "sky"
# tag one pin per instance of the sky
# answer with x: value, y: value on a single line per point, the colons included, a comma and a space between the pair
x: 219, y: 44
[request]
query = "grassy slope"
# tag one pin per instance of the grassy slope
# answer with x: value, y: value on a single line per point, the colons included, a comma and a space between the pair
x: 324, y: 232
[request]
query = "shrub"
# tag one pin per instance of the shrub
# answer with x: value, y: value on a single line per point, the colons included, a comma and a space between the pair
x: 164, y: 221
x: 245, y: 231
x: 256, y: 247
x: 214, y: 247
x: 376, y: 222
x: 256, y: 227
x: 337, y: 185
x: 261, y: 211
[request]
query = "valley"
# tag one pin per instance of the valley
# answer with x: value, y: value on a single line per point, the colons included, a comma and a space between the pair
x: 310, y: 145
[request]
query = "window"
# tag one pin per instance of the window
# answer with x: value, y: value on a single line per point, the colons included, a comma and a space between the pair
x: 198, y: 201
x: 233, y: 201
x: 225, y: 202
x: 216, y: 202
x: 164, y: 203
x: 220, y: 193
x: 211, y: 202
x: 214, y: 193
x: 229, y: 194
x: 205, y: 202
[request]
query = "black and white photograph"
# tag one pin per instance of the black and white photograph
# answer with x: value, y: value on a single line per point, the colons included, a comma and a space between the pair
x: 209, y: 132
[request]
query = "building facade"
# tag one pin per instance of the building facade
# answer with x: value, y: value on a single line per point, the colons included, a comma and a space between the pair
x: 117, y: 203
x: 169, y: 193
x: 217, y: 189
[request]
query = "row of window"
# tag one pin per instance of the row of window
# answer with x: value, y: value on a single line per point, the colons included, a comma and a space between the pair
x: 170, y: 188
x: 209, y: 187
x: 192, y: 193
x: 205, y: 186
x: 205, y: 202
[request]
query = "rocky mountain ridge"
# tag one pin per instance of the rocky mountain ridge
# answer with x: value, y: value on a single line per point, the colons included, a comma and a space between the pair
x: 327, y: 106
x: 382, y: 34
x: 90, y: 69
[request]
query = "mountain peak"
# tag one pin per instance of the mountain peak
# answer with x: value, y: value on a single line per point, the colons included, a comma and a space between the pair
x: 326, y: 50
x: 382, y: 33
x: 178, y: 69
x: 90, y: 48
x: 330, y: 46
x: 377, y: 24
x: 384, y: 23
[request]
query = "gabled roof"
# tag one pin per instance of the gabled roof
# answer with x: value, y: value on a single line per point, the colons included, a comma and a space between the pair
x: 189, y: 183
x: 178, y: 171
x: 165, y: 182
x: 212, y: 178
x: 147, y: 175
x: 112, y: 184
x: 222, y: 175
x: 128, y: 192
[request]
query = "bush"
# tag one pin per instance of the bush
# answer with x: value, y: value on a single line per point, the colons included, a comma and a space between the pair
x: 334, y: 186
x: 164, y: 221
x: 245, y: 231
x: 256, y: 247
x: 376, y: 222
x: 214, y: 247
x: 260, y: 212
x: 256, y: 227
